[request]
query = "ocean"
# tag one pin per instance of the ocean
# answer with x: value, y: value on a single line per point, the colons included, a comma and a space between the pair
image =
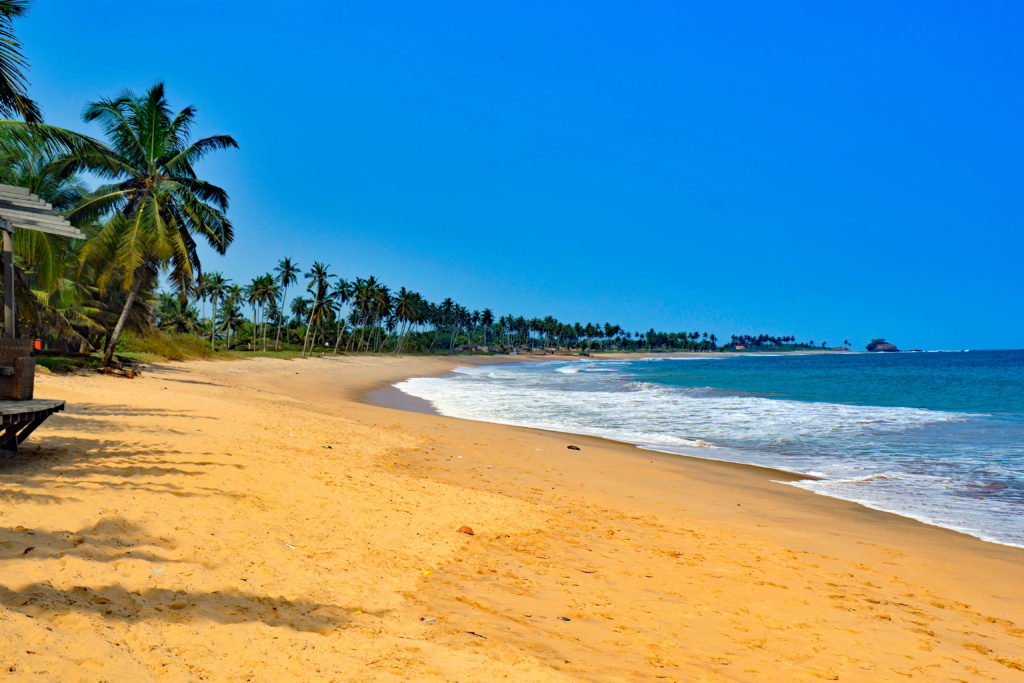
x: 936, y: 436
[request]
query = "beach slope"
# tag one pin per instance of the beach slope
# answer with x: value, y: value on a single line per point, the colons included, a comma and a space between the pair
x: 259, y: 520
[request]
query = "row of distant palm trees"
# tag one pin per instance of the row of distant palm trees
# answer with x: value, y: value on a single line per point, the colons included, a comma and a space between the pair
x: 364, y: 315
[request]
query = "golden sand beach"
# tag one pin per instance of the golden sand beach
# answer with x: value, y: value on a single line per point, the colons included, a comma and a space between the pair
x: 258, y: 520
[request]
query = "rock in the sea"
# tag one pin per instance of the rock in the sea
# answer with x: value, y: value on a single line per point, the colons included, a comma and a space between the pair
x: 881, y: 345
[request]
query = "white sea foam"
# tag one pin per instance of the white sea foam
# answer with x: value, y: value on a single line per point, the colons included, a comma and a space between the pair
x: 855, y: 449
x: 651, y: 414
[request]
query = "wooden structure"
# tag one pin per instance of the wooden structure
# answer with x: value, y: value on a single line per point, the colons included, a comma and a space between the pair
x: 19, y: 413
x: 20, y: 418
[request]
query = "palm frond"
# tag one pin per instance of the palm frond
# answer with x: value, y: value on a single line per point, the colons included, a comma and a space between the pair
x: 13, y: 84
x: 104, y: 201
x: 203, y: 191
x: 17, y: 136
x: 182, y: 162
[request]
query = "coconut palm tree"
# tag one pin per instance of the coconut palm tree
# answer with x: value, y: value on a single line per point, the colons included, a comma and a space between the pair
x: 268, y: 293
x: 486, y: 319
x: 201, y: 292
x: 155, y: 206
x: 175, y: 315
x: 216, y: 286
x: 340, y: 295
x: 254, y: 296
x: 406, y: 312
x: 30, y: 133
x: 318, y: 282
x: 231, y: 315
x: 13, y: 98
x: 287, y: 273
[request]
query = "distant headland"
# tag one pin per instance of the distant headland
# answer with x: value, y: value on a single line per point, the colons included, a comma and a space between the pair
x: 881, y: 345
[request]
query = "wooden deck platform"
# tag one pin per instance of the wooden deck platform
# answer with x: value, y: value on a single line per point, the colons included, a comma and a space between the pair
x: 18, y: 419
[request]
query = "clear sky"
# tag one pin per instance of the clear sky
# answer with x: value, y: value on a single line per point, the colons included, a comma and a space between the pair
x: 829, y: 170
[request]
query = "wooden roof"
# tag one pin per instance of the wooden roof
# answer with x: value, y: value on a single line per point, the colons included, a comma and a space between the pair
x: 19, y: 208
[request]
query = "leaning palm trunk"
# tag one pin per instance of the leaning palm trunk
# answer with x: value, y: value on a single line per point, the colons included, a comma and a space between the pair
x: 362, y: 332
x: 341, y: 329
x: 213, y: 324
x: 266, y: 321
x: 133, y: 295
x: 402, y: 336
x: 280, y: 319
x: 352, y: 334
x: 255, y: 325
x: 433, y: 342
x: 405, y: 336
x: 381, y: 342
x: 309, y: 327
x: 376, y: 343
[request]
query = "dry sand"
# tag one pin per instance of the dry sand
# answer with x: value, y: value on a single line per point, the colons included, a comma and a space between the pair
x: 256, y: 520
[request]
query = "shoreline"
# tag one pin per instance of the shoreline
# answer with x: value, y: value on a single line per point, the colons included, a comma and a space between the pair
x: 263, y: 508
x: 389, y: 396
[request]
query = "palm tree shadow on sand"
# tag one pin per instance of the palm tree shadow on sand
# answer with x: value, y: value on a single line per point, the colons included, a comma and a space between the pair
x: 41, y: 600
x: 41, y: 473
x: 115, y: 539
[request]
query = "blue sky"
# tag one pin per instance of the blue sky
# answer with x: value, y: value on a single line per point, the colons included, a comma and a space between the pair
x: 833, y: 171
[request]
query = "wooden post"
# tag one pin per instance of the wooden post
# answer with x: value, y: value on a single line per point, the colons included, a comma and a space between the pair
x: 8, y: 281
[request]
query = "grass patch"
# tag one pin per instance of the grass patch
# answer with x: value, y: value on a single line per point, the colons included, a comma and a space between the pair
x: 156, y: 345
x: 159, y: 345
x: 62, y: 364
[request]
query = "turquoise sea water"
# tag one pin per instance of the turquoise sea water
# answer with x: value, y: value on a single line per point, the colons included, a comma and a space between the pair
x: 935, y: 436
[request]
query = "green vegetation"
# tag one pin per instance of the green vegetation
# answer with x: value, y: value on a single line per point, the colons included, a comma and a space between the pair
x: 156, y: 344
x: 143, y: 224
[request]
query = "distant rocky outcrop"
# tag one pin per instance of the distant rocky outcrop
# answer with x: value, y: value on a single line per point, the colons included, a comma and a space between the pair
x: 881, y: 345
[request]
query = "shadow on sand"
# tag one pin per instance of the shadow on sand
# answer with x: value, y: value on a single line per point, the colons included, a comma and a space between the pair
x: 57, y: 463
x: 41, y: 600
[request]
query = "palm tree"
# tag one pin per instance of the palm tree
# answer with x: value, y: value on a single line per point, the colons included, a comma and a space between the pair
x: 201, y: 292
x: 319, y: 280
x: 254, y: 297
x: 486, y: 319
x: 340, y: 295
x: 13, y: 98
x: 175, y: 315
x: 406, y: 310
x: 31, y: 133
x: 382, y: 303
x: 300, y: 307
x: 231, y: 314
x: 287, y: 273
x: 155, y: 205
x: 216, y: 285
x: 268, y: 292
